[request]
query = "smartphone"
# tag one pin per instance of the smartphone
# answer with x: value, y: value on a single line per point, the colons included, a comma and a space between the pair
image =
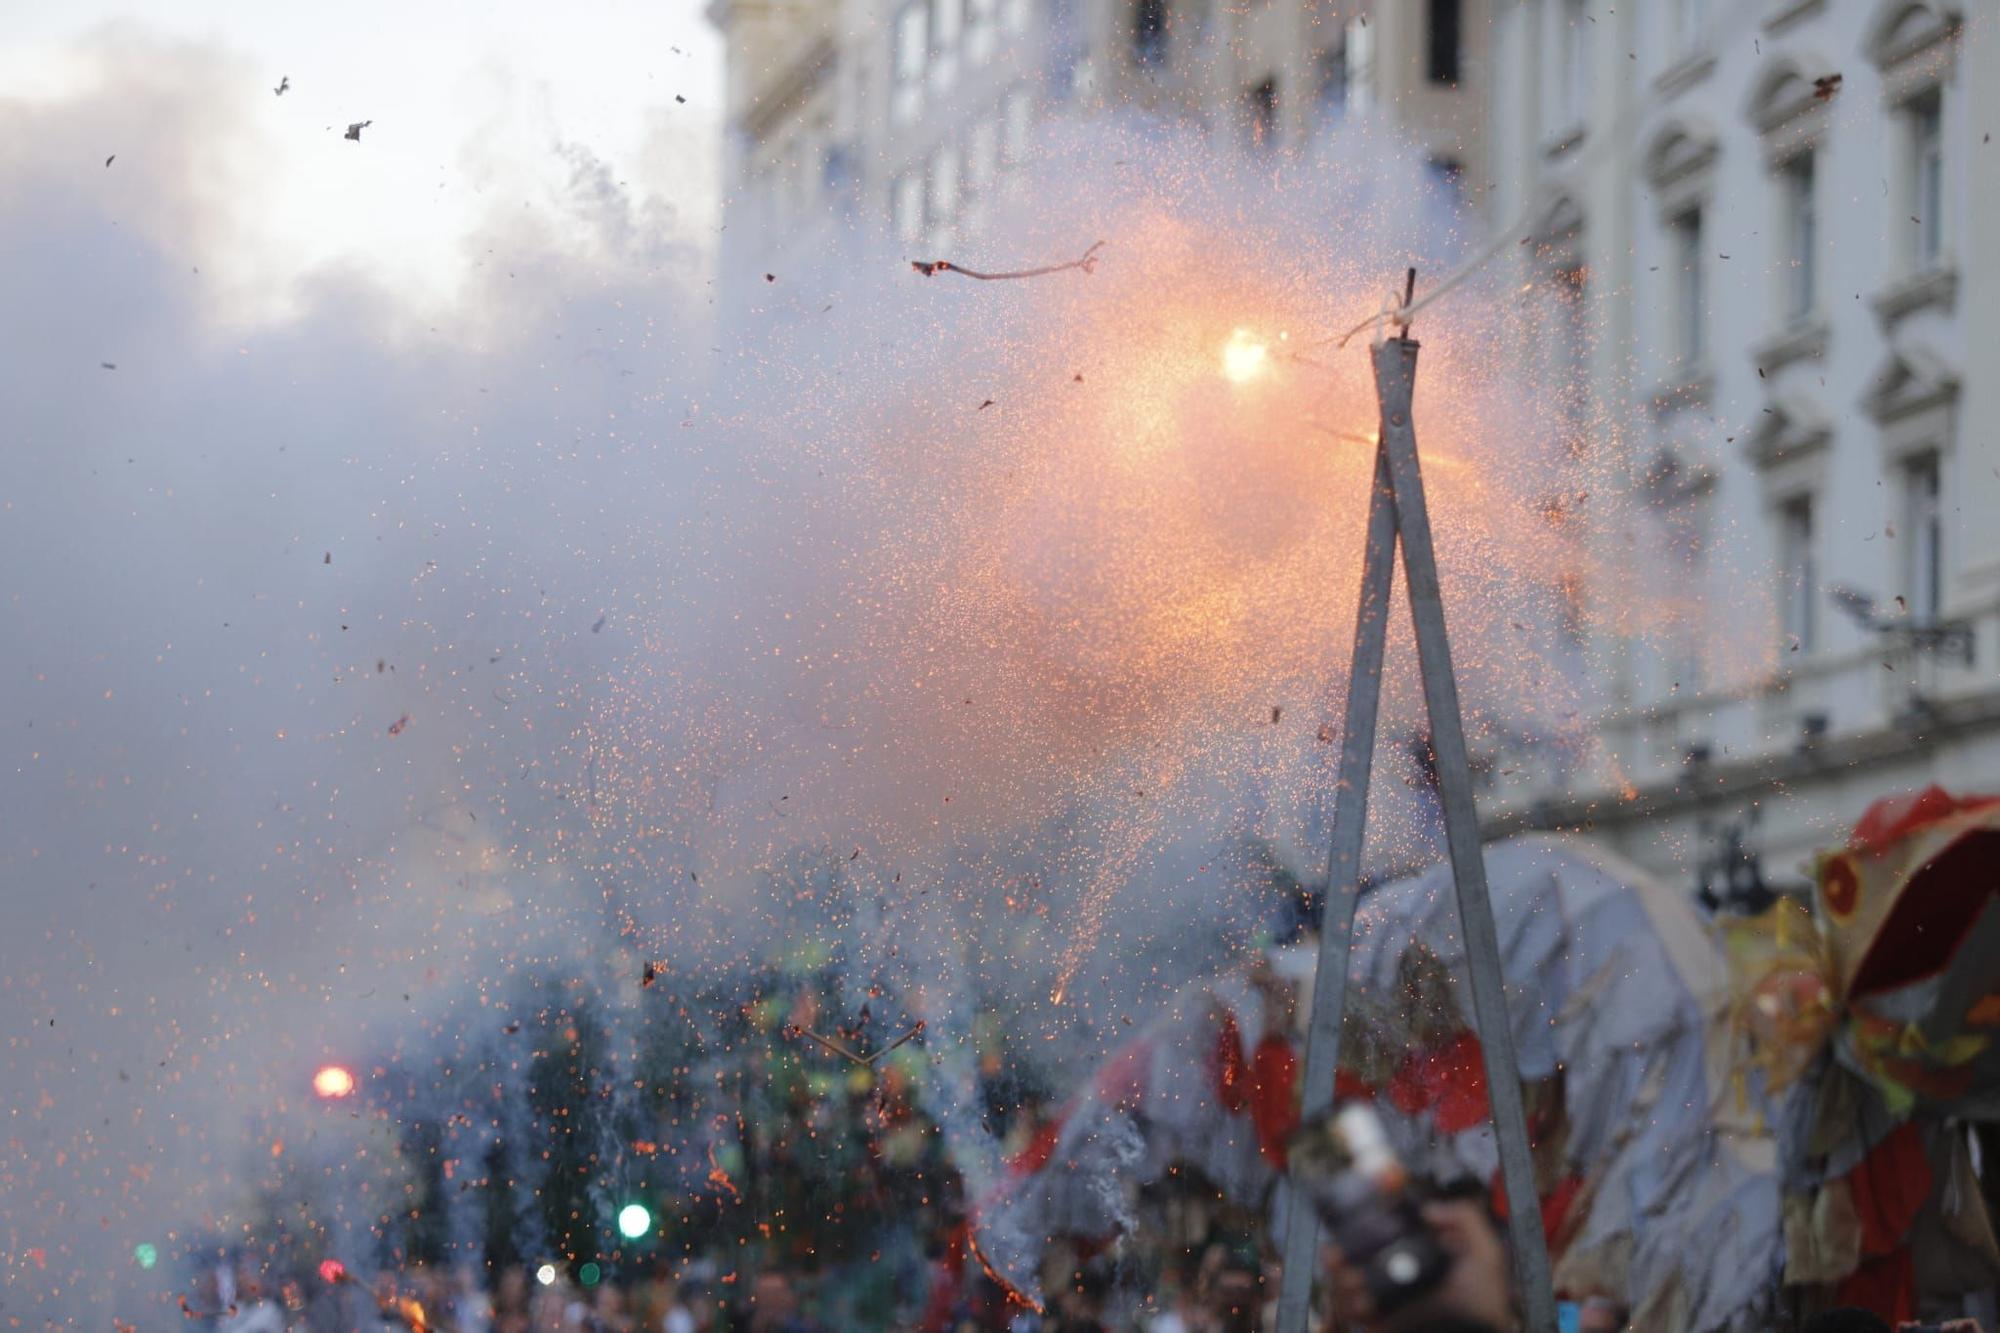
x: 1346, y: 1166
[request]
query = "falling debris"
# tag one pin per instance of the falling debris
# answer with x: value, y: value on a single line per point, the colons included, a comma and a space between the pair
x: 328, y: 560
x: 109, y: 365
x: 770, y: 277
x: 354, y: 130
x: 109, y: 160
x: 720, y: 1179
x: 1277, y: 712
x: 649, y: 974
x: 284, y: 85
x: 1825, y: 86
x: 983, y: 406
x: 396, y: 727
x: 933, y: 267
x: 679, y: 98
x: 598, y: 628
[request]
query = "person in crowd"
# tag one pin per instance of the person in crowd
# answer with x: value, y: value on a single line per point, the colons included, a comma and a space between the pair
x: 471, y: 1307
x: 774, y: 1304
x: 253, y: 1310
x: 1846, y: 1319
x: 1600, y: 1314
x: 1183, y: 1313
x: 608, y: 1311
x: 691, y: 1309
x: 1476, y: 1293
x: 1236, y: 1295
x: 1079, y: 1306
x: 547, y: 1307
x: 510, y: 1301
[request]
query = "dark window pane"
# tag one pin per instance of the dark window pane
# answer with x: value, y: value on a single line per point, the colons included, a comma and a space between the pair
x: 1444, y: 40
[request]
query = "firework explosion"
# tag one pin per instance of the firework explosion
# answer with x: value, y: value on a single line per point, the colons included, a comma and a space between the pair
x: 1015, y: 605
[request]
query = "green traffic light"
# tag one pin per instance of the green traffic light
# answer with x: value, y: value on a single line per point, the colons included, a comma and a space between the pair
x: 588, y: 1275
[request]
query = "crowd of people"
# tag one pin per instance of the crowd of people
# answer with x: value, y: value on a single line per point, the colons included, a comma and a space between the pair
x: 235, y: 1299
x: 1220, y: 1288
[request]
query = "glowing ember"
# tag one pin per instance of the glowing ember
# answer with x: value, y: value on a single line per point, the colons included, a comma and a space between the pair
x: 333, y: 1082
x: 1243, y: 357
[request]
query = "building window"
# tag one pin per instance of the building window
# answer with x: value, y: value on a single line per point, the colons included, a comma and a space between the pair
x: 1447, y: 177
x: 1924, y: 120
x: 1690, y: 19
x: 1690, y: 300
x: 1798, y: 573
x: 906, y: 98
x: 1796, y: 180
x: 1260, y: 114
x: 982, y: 20
x: 1685, y: 548
x: 1445, y: 41
x: 942, y: 196
x: 1330, y: 85
x: 1149, y: 32
x: 947, y: 20
x: 906, y: 206
x: 1572, y: 607
x: 982, y: 154
x: 1568, y: 288
x: 1923, y: 538
x: 1576, y: 60
x: 838, y: 177
x: 1017, y: 119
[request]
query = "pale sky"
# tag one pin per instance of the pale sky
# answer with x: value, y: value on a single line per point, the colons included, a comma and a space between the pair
x: 469, y: 100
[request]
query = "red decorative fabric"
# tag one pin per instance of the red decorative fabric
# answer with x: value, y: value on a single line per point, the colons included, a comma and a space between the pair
x: 1041, y: 1147
x: 1886, y: 1284
x: 1447, y: 1080
x: 1122, y: 1082
x: 1349, y: 1087
x: 1889, y: 1186
x: 1895, y: 817
x: 1556, y: 1206
x: 1274, y: 1098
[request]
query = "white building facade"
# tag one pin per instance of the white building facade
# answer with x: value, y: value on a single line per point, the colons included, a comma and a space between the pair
x: 1760, y: 259
x: 910, y: 114
x: 1756, y: 273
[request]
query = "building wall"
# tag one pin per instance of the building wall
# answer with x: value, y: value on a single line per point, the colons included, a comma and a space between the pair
x: 1710, y: 408
x: 1777, y: 354
x: 907, y: 114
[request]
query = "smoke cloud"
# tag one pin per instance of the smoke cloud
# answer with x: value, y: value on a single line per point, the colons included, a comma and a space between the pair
x: 362, y: 654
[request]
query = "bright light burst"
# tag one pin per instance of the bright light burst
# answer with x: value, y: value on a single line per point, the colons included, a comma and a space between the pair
x: 333, y: 1082
x: 1243, y: 357
x: 634, y: 1221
